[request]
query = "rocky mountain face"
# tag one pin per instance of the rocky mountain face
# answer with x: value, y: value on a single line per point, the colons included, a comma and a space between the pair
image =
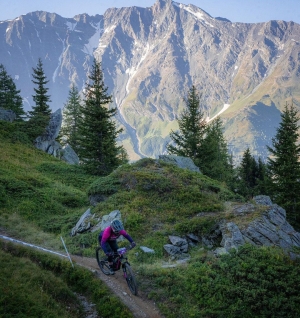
x: 151, y: 57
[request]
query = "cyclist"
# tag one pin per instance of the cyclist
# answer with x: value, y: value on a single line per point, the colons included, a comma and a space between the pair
x: 108, y: 240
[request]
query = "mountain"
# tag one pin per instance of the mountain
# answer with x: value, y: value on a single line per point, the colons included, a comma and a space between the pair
x: 246, y: 72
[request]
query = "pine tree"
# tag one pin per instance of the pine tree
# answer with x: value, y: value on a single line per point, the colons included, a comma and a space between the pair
x: 41, y: 112
x: 247, y: 175
x: 71, y: 115
x: 214, y: 158
x: 9, y: 95
x: 186, y: 142
x: 98, y: 150
x: 284, y: 164
x: 263, y: 180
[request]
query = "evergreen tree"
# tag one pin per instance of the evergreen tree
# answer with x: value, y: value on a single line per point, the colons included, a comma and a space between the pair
x: 40, y: 114
x: 263, y: 180
x: 186, y: 142
x: 98, y: 150
x: 213, y: 158
x: 9, y: 95
x: 284, y: 164
x: 247, y: 174
x: 71, y: 116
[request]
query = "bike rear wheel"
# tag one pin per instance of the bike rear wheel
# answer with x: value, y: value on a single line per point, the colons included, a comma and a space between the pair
x: 102, y: 261
x: 130, y: 279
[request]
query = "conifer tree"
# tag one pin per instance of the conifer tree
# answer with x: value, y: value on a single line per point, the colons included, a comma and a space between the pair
x: 71, y: 115
x: 284, y: 164
x: 98, y: 150
x: 214, y: 158
x: 9, y: 95
x: 247, y: 174
x: 186, y: 142
x: 40, y: 114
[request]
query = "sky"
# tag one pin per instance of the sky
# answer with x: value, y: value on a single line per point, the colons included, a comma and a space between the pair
x: 251, y: 11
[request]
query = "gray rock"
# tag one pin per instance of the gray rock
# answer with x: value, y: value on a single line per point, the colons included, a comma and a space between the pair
x: 263, y: 200
x: 172, y: 249
x: 7, y: 115
x: 46, y: 142
x: 181, y: 162
x: 270, y: 229
x: 232, y: 236
x: 68, y: 155
x: 179, y: 242
x: 83, y: 224
x: 106, y: 220
x: 193, y: 237
x: 147, y: 249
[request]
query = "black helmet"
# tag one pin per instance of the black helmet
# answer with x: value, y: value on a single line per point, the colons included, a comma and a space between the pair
x: 116, y: 226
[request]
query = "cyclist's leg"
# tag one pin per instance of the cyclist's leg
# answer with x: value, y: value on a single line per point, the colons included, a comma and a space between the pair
x: 114, y: 246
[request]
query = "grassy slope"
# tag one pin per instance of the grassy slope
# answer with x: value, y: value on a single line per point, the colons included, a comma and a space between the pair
x: 42, y: 198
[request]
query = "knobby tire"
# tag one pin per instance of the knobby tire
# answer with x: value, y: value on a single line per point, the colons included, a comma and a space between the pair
x: 102, y: 263
x: 131, y: 281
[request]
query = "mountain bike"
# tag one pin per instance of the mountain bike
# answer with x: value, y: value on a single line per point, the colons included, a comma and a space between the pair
x: 119, y: 260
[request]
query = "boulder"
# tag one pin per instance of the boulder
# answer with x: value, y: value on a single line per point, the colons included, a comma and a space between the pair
x: 147, y: 250
x: 83, y: 224
x: 46, y: 142
x: 106, y: 220
x: 172, y: 249
x: 179, y: 242
x: 68, y: 155
x: 7, y: 115
x: 179, y: 161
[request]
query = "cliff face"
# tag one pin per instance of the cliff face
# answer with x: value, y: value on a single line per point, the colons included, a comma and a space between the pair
x: 152, y: 56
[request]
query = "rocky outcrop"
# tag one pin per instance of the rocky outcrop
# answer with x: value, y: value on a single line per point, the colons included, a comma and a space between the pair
x: 83, y: 224
x: 269, y: 229
x: 46, y: 142
x: 7, y: 115
x: 68, y: 155
x: 178, y: 248
x: 179, y: 161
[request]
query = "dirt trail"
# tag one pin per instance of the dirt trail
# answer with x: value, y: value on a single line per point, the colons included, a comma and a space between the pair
x: 139, y: 305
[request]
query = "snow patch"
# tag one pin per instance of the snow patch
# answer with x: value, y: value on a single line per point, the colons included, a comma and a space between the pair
x: 94, y: 40
x: 199, y: 15
x: 59, y: 59
x: 71, y: 26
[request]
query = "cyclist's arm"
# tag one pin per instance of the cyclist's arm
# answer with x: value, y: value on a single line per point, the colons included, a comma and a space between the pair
x: 126, y: 235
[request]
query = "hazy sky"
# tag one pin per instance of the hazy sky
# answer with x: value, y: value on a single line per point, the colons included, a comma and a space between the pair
x: 234, y: 10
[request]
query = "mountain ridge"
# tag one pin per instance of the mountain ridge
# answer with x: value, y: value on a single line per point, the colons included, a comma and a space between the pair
x: 151, y: 57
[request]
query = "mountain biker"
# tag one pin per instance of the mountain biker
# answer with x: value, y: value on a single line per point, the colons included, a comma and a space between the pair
x: 108, y: 240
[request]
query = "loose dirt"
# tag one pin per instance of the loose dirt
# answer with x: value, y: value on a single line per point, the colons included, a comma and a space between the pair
x: 139, y: 305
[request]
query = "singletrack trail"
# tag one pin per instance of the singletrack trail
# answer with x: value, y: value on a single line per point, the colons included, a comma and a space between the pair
x: 140, y: 305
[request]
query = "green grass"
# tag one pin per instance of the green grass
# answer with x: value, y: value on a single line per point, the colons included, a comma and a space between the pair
x: 36, y: 284
x: 42, y: 198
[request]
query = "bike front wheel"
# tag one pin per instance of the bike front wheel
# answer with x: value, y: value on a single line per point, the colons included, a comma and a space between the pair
x: 130, y: 279
x: 102, y: 261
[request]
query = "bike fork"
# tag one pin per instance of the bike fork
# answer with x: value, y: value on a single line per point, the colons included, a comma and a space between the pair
x: 124, y: 272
